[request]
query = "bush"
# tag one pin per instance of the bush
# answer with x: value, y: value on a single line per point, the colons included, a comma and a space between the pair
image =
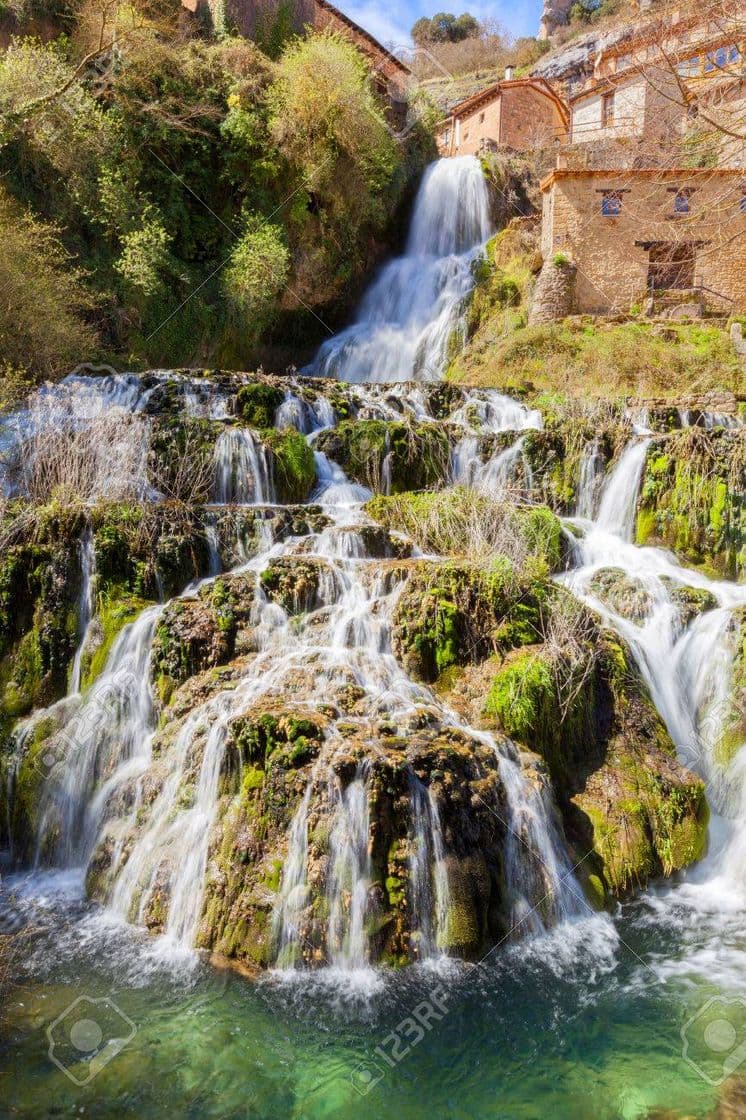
x: 257, y: 273
x: 45, y: 299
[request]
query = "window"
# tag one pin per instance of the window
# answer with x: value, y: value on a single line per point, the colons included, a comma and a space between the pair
x: 681, y: 202
x: 607, y: 110
x: 689, y: 68
x: 446, y: 138
x: 681, y: 199
x: 611, y: 203
x: 481, y: 118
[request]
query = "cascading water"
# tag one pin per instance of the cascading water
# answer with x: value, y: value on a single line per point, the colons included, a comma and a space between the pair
x: 429, y: 887
x: 242, y: 470
x: 349, y: 873
x: 410, y: 312
x: 86, y: 604
x: 687, y: 668
x: 105, y: 742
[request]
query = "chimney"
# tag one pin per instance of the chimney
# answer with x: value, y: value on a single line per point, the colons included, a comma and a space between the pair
x: 508, y: 73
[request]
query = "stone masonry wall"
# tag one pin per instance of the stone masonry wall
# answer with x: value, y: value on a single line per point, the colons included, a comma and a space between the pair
x: 612, y: 265
x: 554, y: 294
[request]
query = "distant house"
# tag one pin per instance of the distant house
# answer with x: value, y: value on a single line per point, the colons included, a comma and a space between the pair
x: 252, y: 18
x: 635, y: 233
x: 517, y: 113
x: 646, y: 92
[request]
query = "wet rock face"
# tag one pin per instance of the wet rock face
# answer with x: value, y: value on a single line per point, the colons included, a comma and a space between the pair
x: 692, y: 496
x: 626, y: 596
x: 390, y: 456
x: 245, y: 876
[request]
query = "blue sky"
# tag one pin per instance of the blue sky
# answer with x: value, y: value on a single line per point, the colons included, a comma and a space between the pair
x: 390, y: 20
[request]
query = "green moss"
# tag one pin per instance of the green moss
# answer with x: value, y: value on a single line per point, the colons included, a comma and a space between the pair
x: 522, y: 696
x: 112, y: 617
x: 692, y: 499
x: 257, y: 404
x: 293, y: 465
x: 418, y: 454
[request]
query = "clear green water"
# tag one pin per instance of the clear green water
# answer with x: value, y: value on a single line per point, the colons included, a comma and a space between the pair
x: 584, y: 1025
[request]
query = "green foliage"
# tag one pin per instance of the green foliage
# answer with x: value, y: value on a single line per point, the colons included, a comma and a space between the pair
x: 191, y: 187
x: 257, y: 404
x: 43, y: 326
x: 445, y: 28
x: 256, y: 274
x: 144, y: 257
x: 520, y: 695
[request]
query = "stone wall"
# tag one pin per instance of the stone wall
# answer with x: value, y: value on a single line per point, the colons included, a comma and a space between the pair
x: 612, y: 252
x: 554, y: 294
x: 519, y: 115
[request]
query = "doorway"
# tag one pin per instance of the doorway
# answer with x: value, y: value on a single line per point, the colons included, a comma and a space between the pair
x: 671, y: 265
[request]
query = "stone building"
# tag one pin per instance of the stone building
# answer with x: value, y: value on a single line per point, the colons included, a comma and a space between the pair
x: 675, y: 234
x: 255, y: 18
x: 517, y: 113
x: 641, y: 105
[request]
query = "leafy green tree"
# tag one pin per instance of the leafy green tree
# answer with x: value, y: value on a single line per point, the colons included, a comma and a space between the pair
x: 445, y: 28
x: 257, y: 273
x: 44, y: 301
x: 344, y: 164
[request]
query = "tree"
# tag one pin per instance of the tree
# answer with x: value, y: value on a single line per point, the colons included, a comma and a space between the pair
x: 445, y: 28
x: 43, y: 298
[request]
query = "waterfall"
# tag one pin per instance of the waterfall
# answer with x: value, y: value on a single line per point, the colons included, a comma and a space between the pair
x: 242, y: 469
x: 107, y: 739
x: 618, y: 507
x: 541, y: 885
x: 349, y: 873
x: 409, y: 313
x: 591, y: 473
x: 86, y: 604
x: 429, y: 888
x: 687, y: 669
x: 293, y: 898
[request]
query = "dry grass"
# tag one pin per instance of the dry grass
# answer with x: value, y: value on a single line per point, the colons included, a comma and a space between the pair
x: 73, y: 460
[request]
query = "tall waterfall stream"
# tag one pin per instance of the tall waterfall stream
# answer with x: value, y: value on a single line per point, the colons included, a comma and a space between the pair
x: 568, y: 963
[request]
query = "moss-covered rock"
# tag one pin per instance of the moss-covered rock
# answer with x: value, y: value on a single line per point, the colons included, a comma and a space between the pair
x: 417, y: 455
x: 690, y: 602
x: 258, y: 402
x: 622, y: 593
x: 293, y: 465
x: 572, y: 430
x: 293, y: 582
x: 693, y: 498
x: 39, y: 588
x: 149, y: 551
x: 450, y: 614
x: 613, y: 765
x: 195, y: 634
x: 730, y: 721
